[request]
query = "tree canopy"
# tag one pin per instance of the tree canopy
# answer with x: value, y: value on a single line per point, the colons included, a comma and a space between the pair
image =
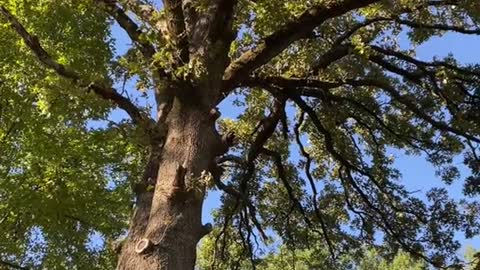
x: 325, y: 89
x: 314, y: 258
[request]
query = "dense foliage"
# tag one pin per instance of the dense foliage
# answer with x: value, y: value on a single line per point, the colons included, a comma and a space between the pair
x: 326, y: 92
x: 61, y: 175
x: 314, y: 258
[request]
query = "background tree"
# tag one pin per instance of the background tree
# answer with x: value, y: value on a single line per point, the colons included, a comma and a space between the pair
x: 315, y: 258
x: 326, y: 79
x: 472, y: 258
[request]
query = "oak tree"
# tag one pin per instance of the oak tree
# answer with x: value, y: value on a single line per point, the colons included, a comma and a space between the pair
x: 326, y: 92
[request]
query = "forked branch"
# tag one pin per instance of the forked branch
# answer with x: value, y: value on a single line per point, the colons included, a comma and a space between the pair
x: 296, y: 87
x: 275, y: 43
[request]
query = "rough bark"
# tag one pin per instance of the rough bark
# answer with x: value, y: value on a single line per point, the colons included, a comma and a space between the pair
x: 169, y: 219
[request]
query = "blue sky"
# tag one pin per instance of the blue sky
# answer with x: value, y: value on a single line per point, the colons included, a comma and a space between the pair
x: 417, y: 173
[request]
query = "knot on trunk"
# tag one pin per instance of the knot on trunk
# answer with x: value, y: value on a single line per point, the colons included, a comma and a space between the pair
x: 214, y: 114
x: 180, y: 188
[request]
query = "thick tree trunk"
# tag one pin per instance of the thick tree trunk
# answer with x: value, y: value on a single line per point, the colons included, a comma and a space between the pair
x: 166, y: 225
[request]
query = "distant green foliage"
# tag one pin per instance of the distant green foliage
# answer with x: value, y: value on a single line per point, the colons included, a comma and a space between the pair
x: 472, y: 258
x: 312, y: 258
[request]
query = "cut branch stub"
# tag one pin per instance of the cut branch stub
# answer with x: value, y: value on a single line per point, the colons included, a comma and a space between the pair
x: 143, y: 245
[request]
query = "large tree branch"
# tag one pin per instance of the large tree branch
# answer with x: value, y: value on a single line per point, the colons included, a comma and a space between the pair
x: 240, y: 197
x: 303, y: 85
x: 384, y: 222
x: 129, y: 26
x: 145, y: 11
x: 266, y: 129
x: 438, y: 26
x: 308, y: 173
x: 330, y: 147
x: 423, y: 64
x: 162, y: 97
x: 274, y: 44
x: 425, y: 76
x: 349, y: 166
x: 410, y: 105
x: 103, y: 91
x: 356, y: 27
x: 211, y: 31
x: 337, y: 52
x: 319, y: 89
x: 307, y: 87
x: 277, y: 160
